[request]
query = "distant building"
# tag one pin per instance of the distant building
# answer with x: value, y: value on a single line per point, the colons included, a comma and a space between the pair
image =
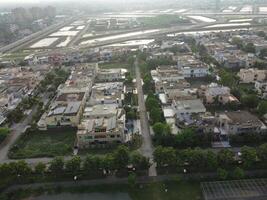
x: 167, y: 73
x: 210, y: 92
x: 192, y: 67
x: 251, y: 75
x: 188, y: 107
x: 108, y: 75
x: 261, y: 88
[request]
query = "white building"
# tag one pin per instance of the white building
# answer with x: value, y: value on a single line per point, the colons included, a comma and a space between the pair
x: 108, y: 75
x: 102, y: 125
x: 192, y: 67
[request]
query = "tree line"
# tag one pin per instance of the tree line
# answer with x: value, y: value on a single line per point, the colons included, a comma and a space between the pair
x: 82, y: 168
x: 206, y: 160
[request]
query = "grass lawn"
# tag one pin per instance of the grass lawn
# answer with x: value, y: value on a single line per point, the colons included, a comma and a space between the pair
x: 163, y: 20
x: 157, y: 191
x: 175, y: 191
x: 44, y: 144
x: 96, y: 151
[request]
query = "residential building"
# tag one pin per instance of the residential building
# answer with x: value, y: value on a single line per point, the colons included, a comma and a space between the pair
x: 261, y: 88
x: 171, y: 86
x: 62, y: 114
x: 192, y: 67
x: 102, y: 125
x: 162, y: 55
x: 237, y: 122
x: 109, y: 75
x: 188, y: 107
x: 251, y: 75
x: 166, y: 73
x: 212, y: 91
x: 107, y: 93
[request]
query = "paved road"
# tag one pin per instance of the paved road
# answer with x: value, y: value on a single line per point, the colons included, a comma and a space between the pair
x: 140, y: 180
x: 146, y: 148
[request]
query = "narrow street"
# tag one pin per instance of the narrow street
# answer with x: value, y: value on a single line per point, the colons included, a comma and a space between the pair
x: 16, y: 131
x: 146, y: 148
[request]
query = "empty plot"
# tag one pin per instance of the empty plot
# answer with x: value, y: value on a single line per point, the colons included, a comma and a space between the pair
x: 263, y: 9
x: 202, y: 18
x: 246, y: 9
x: 132, y: 43
x: 44, y: 42
x: 80, y: 27
x: 228, y: 25
x: 180, y: 11
x: 240, y: 20
x: 64, y: 33
x: 65, y: 42
x: 113, y: 37
x: 66, y: 28
x: 237, y: 189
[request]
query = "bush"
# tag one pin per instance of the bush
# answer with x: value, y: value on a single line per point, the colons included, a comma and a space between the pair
x: 4, y: 133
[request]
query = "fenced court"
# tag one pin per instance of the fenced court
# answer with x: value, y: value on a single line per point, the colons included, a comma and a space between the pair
x: 248, y: 189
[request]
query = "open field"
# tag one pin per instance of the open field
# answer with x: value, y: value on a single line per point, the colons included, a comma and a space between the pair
x: 170, y: 190
x: 43, y: 144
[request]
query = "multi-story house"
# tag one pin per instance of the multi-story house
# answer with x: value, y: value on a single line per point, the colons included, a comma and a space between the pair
x: 251, y: 75
x: 237, y: 122
x: 102, y: 125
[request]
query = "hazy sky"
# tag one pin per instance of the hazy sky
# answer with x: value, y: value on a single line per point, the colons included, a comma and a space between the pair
x: 19, y: 1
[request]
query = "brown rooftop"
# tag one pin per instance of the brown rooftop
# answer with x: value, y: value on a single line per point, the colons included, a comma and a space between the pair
x: 242, y: 117
x: 75, y: 96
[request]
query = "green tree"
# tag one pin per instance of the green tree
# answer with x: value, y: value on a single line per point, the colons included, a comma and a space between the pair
x: 108, y: 162
x: 151, y: 102
x: 186, y: 138
x: 225, y: 158
x: 227, y: 78
x: 211, y: 159
x: 250, y: 100
x: 148, y: 84
x: 261, y: 33
x: 131, y: 115
x: 4, y: 131
x: 132, y: 180
x: 91, y: 164
x: 20, y: 168
x: 165, y: 156
x: 196, y: 158
x: 262, y: 153
x: 263, y: 53
x: 238, y: 173
x: 249, y: 47
x: 238, y: 42
x: 40, y: 168
x: 73, y: 165
x: 161, y: 129
x: 222, y: 174
x: 262, y: 108
x: 57, y: 165
x: 248, y: 155
x: 121, y: 157
x: 156, y: 115
x: 139, y: 161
